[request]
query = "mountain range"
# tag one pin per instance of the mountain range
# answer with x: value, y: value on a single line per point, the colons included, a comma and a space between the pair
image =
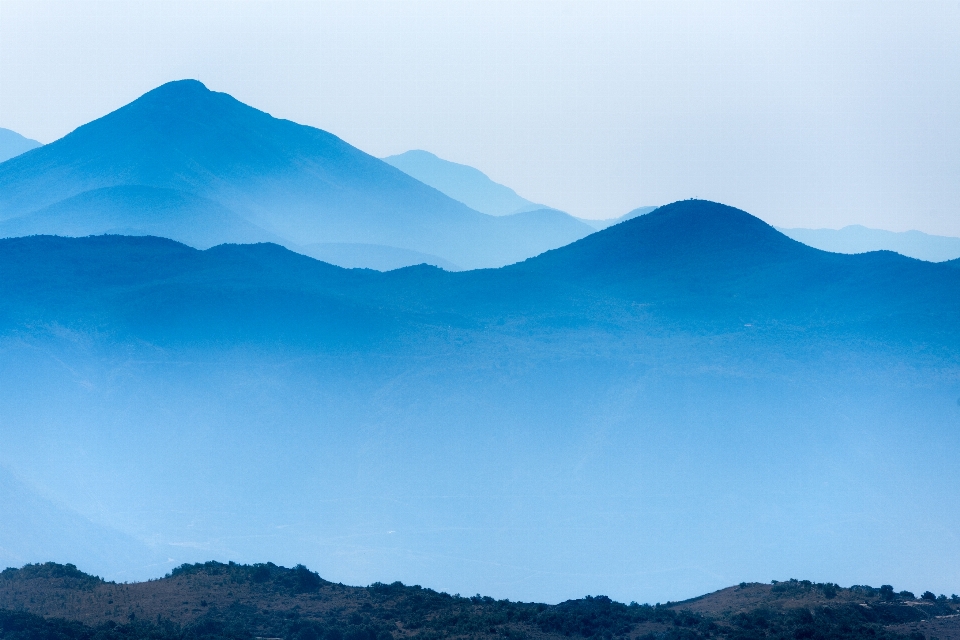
x: 677, y: 402
x: 200, y: 167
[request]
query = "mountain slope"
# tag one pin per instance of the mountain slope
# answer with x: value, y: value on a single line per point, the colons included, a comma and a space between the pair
x: 860, y: 239
x: 299, y: 183
x: 463, y: 183
x: 13, y: 144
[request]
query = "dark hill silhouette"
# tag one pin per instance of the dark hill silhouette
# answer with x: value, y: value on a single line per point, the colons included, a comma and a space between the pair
x: 218, y: 600
x: 715, y: 261
x: 300, y: 183
x: 693, y: 236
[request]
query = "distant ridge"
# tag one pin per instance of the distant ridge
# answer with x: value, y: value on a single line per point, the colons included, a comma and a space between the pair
x: 298, y: 184
x: 860, y: 239
x: 462, y: 183
x: 13, y: 144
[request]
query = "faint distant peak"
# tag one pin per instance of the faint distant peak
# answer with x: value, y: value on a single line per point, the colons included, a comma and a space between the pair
x: 420, y: 154
x: 462, y: 182
x: 13, y: 144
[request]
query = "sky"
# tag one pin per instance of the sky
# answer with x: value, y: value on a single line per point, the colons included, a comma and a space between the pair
x: 807, y: 114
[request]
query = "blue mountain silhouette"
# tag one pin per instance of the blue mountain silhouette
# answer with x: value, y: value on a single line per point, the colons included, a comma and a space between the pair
x: 295, y: 182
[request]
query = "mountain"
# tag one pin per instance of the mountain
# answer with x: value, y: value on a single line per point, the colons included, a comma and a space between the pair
x: 296, y: 183
x: 219, y: 600
x: 716, y: 264
x: 12, y: 144
x: 463, y: 183
x: 860, y: 239
x: 665, y: 407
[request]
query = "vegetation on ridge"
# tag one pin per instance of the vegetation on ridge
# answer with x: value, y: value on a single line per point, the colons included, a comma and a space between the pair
x: 213, y: 601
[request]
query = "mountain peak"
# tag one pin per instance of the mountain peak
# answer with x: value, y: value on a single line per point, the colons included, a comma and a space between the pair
x: 176, y: 91
x: 698, y: 235
x: 187, y: 99
x: 181, y: 86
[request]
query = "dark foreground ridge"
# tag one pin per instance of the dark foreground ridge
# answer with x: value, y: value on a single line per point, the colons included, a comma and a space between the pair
x: 267, y: 602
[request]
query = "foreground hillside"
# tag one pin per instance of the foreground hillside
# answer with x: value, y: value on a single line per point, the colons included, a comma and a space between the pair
x: 215, y: 600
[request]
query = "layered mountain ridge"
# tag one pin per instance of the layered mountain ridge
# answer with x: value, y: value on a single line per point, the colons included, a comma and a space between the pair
x: 284, y: 180
x: 696, y: 261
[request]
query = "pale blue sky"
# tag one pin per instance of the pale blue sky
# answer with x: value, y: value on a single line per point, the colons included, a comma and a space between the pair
x: 804, y: 113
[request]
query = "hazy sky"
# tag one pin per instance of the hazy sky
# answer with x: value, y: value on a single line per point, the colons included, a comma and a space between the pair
x: 804, y: 113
